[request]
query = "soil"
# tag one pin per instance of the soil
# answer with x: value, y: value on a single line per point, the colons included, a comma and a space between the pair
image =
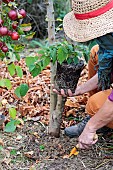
x: 67, y: 76
x: 37, y: 150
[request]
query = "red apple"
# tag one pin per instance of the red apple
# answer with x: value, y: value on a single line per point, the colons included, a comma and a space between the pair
x: 6, y: 1
x: 15, y: 36
x: 1, y: 44
x: 4, y: 49
x: 12, y: 15
x: 22, y: 12
x: 1, y: 22
x: 9, y: 33
x: 3, y: 31
x: 14, y: 25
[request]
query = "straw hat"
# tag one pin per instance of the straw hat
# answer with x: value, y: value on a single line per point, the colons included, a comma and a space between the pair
x: 89, y: 19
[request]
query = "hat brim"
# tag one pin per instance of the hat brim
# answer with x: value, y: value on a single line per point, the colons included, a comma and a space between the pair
x: 88, y: 29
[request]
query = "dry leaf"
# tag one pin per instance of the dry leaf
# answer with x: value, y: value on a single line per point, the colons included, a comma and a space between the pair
x: 7, y: 160
x: 65, y: 156
x: 73, y: 152
x: 4, y: 102
x: 72, y: 104
x: 32, y: 167
x: 29, y: 154
x: 1, y: 142
x: 36, y: 134
x: 19, y: 137
x: 70, y: 112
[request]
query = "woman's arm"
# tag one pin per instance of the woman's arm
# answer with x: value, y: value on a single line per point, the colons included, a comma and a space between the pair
x: 100, y: 119
x: 91, y: 84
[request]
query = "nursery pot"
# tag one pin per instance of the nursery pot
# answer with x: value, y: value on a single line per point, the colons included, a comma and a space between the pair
x: 67, y: 75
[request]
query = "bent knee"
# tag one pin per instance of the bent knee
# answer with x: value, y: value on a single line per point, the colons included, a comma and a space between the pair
x: 96, y: 101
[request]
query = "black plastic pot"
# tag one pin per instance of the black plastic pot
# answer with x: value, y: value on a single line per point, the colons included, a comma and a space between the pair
x: 67, y: 76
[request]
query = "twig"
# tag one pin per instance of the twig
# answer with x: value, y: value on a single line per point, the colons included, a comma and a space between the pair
x: 83, y: 164
x: 7, y: 92
x: 42, y: 124
x: 107, y: 160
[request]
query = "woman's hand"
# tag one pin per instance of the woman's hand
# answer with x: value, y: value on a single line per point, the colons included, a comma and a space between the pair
x: 87, y: 139
x: 70, y: 94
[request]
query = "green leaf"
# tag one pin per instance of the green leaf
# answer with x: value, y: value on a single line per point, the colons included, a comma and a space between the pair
x: 10, y: 126
x: 13, y: 152
x: 17, y: 122
x: 38, y: 43
x: 5, y: 83
x: 1, y: 147
x: 29, y: 1
x: 61, y: 54
x: 30, y: 60
x: 42, y: 147
x: 2, y: 55
x: 17, y: 56
x: 17, y: 92
x: 19, y: 47
x: 8, y: 84
x: 54, y: 56
x: 36, y: 71
x: 12, y: 113
x: 86, y: 57
x: 46, y: 62
x: 19, y: 71
x: 23, y: 89
x: 75, y: 60
x: 31, y: 67
x: 30, y: 35
x: 20, y: 31
x: 11, y: 69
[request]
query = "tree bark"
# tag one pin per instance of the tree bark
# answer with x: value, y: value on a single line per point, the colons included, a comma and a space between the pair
x: 56, y: 102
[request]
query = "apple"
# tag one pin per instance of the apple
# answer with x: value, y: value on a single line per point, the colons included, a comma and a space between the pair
x: 6, y: 1
x: 1, y: 22
x: 14, y: 25
x: 3, y: 31
x: 4, y: 49
x: 9, y: 33
x: 22, y: 12
x: 15, y: 36
x: 1, y: 44
x: 12, y: 15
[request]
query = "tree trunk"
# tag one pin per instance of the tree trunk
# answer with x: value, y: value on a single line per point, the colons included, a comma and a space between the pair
x: 55, y: 101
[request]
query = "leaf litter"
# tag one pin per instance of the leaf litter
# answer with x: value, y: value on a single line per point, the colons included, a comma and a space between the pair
x: 30, y: 146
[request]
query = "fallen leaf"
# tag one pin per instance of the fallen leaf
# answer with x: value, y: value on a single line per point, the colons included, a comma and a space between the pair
x: 1, y: 142
x: 73, y: 152
x: 65, y: 156
x: 7, y: 160
x: 29, y: 154
x: 4, y: 102
x: 70, y: 112
x: 19, y: 137
x: 32, y: 167
x: 72, y: 104
x: 36, y: 134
